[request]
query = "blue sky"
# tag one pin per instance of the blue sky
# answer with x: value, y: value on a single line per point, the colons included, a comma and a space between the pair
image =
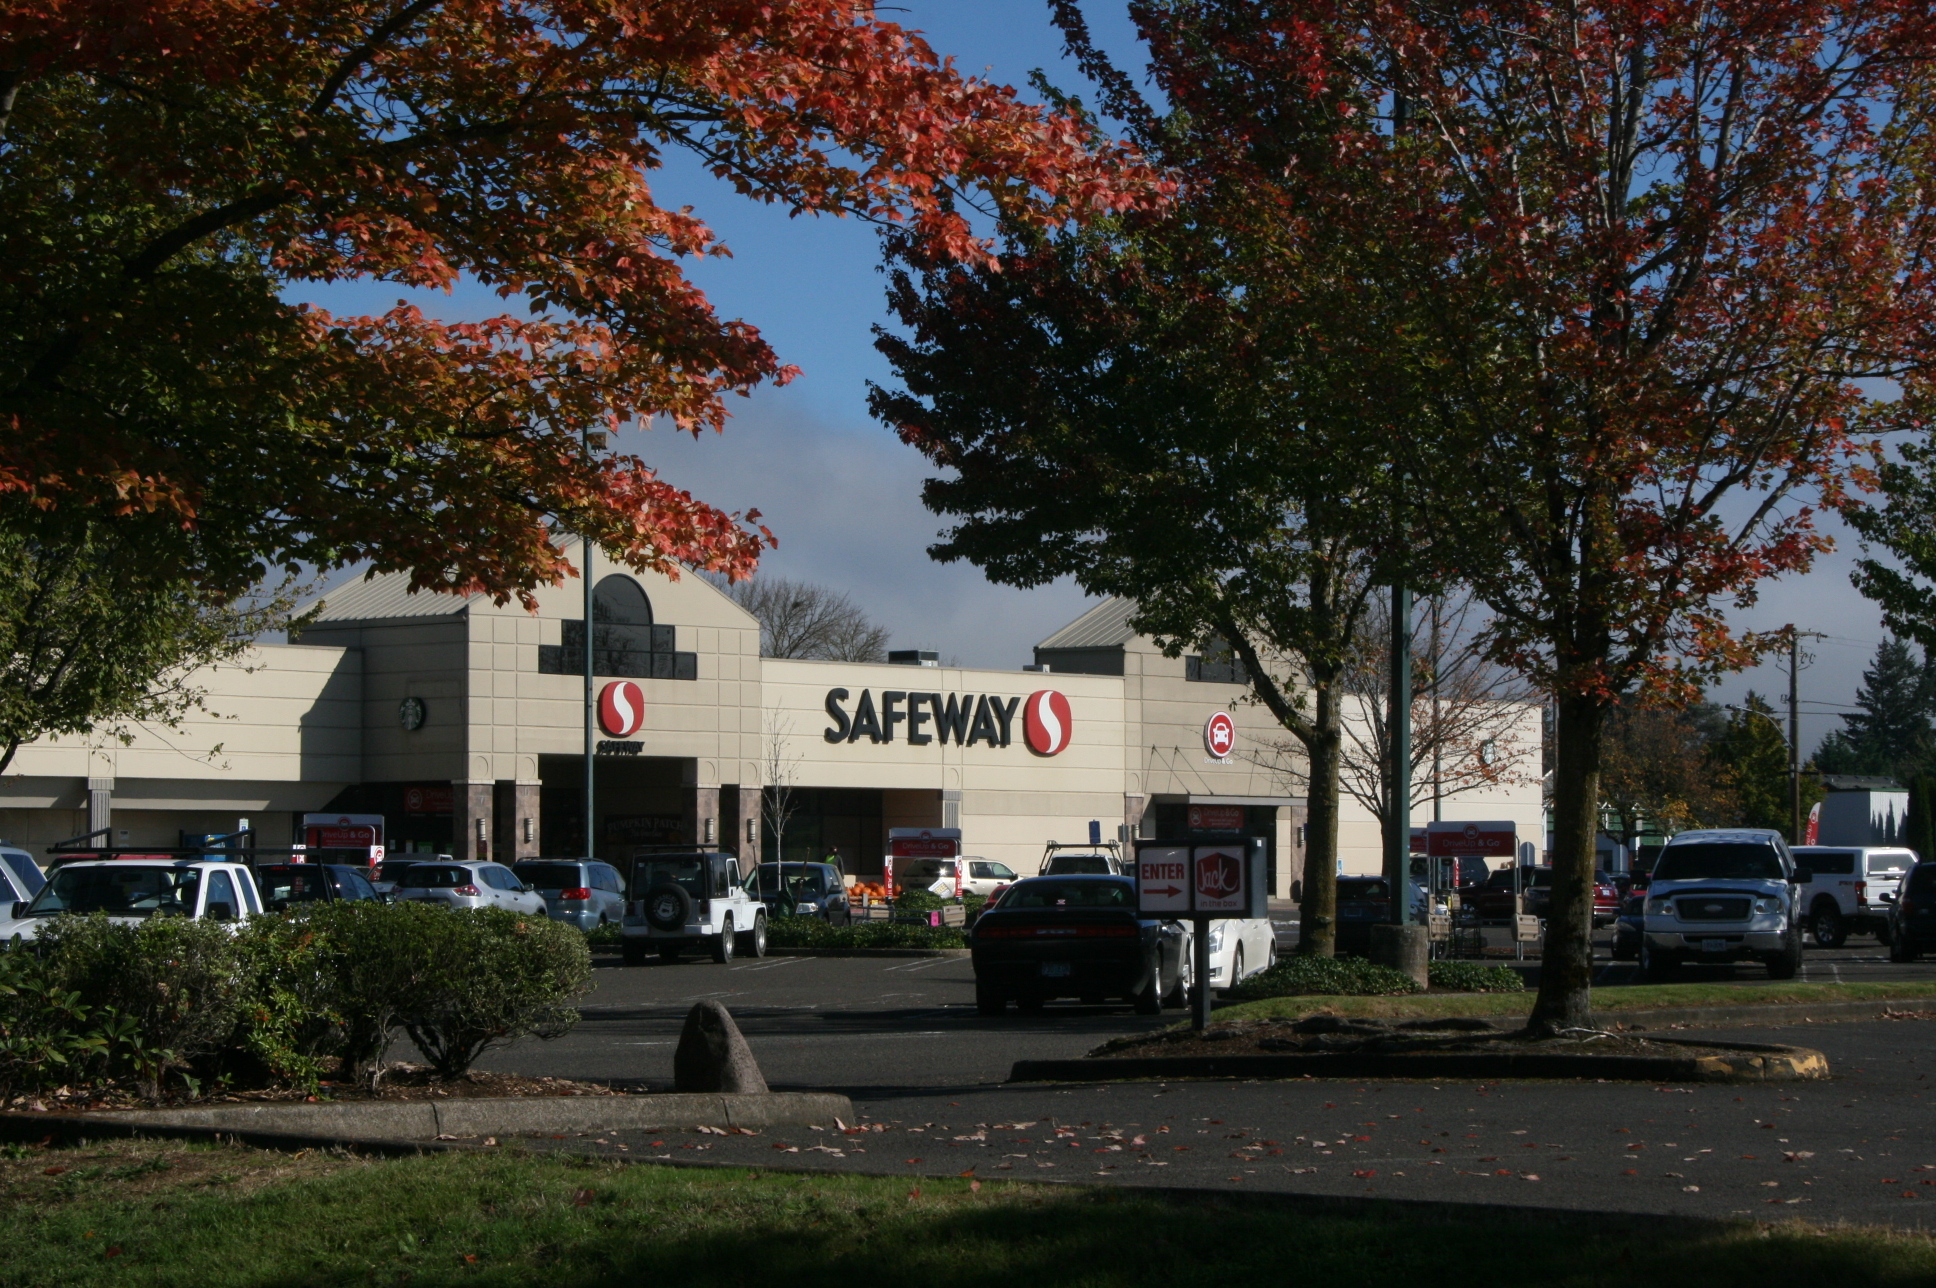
x: 843, y: 494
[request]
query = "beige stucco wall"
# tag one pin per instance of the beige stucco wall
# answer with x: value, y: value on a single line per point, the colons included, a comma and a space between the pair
x: 280, y: 732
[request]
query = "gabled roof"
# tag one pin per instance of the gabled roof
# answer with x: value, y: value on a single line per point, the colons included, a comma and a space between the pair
x: 386, y: 595
x: 1104, y: 626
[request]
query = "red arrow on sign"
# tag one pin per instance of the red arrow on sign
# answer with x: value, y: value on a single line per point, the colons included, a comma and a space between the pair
x: 1169, y: 890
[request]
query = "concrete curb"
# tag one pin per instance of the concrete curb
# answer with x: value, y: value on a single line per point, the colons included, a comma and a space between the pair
x: 868, y: 952
x: 1744, y: 1062
x: 427, y: 1120
x: 1746, y: 1014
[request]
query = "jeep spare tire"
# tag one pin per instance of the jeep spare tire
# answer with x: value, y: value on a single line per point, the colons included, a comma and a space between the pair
x: 667, y: 907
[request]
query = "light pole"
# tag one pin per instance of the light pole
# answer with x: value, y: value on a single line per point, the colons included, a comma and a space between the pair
x: 591, y: 695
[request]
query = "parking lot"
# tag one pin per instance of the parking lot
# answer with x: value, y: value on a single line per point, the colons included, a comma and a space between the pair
x: 901, y: 1036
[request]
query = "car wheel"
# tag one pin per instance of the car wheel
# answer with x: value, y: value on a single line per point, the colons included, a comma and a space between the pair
x: 1787, y: 963
x: 1884, y: 933
x: 1149, y: 1001
x: 988, y: 1001
x: 668, y: 953
x: 1179, y: 995
x: 1901, y: 948
x: 1236, y: 966
x: 632, y: 951
x: 1654, y: 966
x: 753, y: 942
x: 1828, y: 927
x: 723, y: 941
x: 668, y: 907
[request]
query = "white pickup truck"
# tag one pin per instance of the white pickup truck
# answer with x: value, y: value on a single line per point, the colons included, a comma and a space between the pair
x: 136, y: 887
x: 1852, y: 889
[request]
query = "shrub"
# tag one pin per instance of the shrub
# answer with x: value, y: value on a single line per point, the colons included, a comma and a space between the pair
x: 371, y: 962
x: 1331, y: 976
x: 48, y: 1036
x: 813, y: 932
x: 918, y: 901
x: 1471, y: 977
x: 497, y: 976
x: 178, y: 988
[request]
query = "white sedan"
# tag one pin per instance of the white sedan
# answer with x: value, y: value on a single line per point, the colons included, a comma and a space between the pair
x: 1239, y: 948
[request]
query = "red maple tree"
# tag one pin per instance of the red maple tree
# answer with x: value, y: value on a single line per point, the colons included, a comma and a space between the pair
x: 174, y: 166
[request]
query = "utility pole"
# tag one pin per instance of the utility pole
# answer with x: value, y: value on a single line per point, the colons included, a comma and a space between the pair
x: 1794, y: 738
x: 1398, y: 839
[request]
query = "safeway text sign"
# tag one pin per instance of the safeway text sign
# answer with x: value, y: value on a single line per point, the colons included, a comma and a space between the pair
x: 1229, y: 880
x: 1462, y: 840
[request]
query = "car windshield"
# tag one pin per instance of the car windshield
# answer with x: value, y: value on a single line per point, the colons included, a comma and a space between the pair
x: 1041, y: 893
x: 551, y: 876
x: 688, y: 874
x: 801, y: 880
x: 438, y: 876
x: 286, y: 883
x: 1358, y: 890
x: 1719, y: 861
x: 120, y: 891
x: 1067, y: 865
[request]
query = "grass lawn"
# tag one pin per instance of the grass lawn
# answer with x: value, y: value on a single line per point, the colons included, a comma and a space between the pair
x: 1633, y: 997
x: 139, y: 1213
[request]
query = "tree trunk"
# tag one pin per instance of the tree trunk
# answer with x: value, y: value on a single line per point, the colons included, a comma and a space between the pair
x: 1566, y: 966
x: 1318, y: 914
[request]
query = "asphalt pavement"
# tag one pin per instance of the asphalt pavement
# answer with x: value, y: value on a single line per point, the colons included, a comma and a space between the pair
x: 927, y: 1074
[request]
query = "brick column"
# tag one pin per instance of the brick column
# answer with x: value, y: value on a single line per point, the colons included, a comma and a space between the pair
x: 699, y: 807
x: 739, y: 824
x: 472, y: 805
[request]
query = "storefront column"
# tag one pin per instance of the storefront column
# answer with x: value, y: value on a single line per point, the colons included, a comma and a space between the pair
x: 1134, y: 803
x: 699, y: 807
x: 515, y: 821
x: 100, y: 806
x: 472, y: 805
x: 739, y: 824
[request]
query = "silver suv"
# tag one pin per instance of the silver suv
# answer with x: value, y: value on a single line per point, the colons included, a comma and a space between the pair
x: 684, y: 900
x: 467, y: 885
x: 1719, y: 896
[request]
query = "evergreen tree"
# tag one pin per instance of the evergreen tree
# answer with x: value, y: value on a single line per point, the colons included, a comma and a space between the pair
x: 1889, y: 733
x: 1752, y: 755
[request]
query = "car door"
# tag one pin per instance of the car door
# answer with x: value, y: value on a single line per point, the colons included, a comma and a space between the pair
x: 612, y: 892
x: 219, y: 900
x: 518, y: 896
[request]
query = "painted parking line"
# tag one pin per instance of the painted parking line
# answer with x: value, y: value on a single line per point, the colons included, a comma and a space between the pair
x: 771, y: 963
x: 920, y: 963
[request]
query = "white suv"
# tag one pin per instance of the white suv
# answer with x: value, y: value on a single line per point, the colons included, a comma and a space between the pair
x: 684, y: 899
x: 1723, y: 895
x: 1852, y: 889
x: 136, y: 888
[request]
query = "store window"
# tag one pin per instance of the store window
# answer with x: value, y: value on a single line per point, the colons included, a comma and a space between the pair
x: 1216, y: 665
x: 625, y: 641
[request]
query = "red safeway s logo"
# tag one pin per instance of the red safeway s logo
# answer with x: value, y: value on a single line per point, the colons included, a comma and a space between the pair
x: 621, y: 708
x: 1046, y: 723
x: 1220, y: 735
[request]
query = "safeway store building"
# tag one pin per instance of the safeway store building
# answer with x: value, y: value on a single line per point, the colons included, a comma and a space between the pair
x: 460, y: 723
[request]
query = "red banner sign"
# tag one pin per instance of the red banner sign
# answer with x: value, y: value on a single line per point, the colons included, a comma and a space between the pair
x: 1216, y: 818
x: 1489, y: 839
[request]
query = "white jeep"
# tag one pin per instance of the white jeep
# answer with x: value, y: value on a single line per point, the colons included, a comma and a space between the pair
x: 1722, y: 896
x: 1852, y: 889
x: 686, y: 898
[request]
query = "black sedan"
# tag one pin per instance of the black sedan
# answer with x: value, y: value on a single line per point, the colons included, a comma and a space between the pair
x: 1076, y: 936
x: 1628, y: 927
x: 285, y: 885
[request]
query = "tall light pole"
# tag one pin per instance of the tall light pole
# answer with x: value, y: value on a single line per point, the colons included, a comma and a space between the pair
x: 1398, y: 839
x: 591, y: 694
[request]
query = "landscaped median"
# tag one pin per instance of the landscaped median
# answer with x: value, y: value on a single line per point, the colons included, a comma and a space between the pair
x: 131, y: 1214
x: 1636, y: 1003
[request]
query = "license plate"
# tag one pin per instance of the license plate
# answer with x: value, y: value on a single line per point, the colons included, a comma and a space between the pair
x: 1056, y: 970
x: 1714, y: 945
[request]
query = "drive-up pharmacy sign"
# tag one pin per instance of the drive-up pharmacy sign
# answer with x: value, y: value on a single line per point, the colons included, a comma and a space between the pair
x: 1201, y: 883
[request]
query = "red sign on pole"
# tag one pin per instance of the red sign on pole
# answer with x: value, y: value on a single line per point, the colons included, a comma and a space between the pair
x: 1489, y: 839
